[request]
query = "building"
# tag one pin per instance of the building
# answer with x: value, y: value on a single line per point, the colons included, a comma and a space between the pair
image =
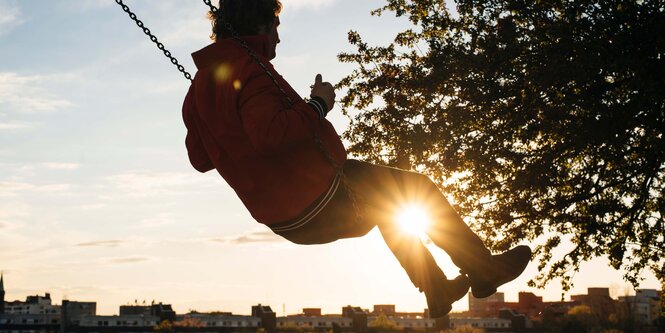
x: 137, y: 320
x: 2, y: 294
x: 487, y: 324
x: 118, y: 321
x: 72, y: 311
x: 160, y: 310
x: 599, y: 301
x: 316, y: 323
x: 485, y: 307
x: 414, y: 323
x: 267, y: 315
x: 221, y: 319
x: 29, y: 319
x: 358, y: 317
x: 355, y: 319
x: 386, y: 309
x: 311, y: 312
x: 34, y: 305
x: 644, y: 308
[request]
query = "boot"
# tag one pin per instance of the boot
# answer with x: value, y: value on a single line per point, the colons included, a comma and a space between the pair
x: 443, y: 294
x: 500, y: 269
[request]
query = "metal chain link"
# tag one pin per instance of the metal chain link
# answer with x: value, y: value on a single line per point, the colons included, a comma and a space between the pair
x: 154, y: 39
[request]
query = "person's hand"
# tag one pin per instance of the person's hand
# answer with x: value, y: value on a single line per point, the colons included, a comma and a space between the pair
x: 324, y: 90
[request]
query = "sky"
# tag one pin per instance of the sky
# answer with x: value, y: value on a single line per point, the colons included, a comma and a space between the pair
x: 98, y: 201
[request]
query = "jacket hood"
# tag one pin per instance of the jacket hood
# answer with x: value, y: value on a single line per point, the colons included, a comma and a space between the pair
x: 210, y: 54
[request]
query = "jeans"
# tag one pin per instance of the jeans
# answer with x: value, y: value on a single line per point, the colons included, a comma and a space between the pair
x: 371, y: 196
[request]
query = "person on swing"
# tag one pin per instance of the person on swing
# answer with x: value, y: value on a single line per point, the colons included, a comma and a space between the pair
x: 290, y: 169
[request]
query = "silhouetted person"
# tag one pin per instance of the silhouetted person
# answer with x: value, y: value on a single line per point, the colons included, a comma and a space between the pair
x: 288, y: 166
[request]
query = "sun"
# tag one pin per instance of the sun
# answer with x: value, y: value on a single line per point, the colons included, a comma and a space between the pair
x: 413, y: 219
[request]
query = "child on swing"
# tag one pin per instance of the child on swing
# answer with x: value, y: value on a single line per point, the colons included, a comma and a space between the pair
x: 288, y: 165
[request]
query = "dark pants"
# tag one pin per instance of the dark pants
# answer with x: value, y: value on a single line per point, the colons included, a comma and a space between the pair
x: 376, y: 193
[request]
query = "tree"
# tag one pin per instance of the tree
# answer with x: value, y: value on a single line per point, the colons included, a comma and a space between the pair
x: 465, y: 329
x: 542, y: 120
x: 164, y: 327
x: 188, y: 321
x: 382, y: 322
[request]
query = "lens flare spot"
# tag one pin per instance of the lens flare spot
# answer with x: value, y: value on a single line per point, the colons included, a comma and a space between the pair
x: 223, y: 72
x: 237, y: 85
x: 413, y: 220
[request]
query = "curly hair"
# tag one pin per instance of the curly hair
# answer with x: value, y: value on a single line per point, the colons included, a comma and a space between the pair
x: 245, y: 16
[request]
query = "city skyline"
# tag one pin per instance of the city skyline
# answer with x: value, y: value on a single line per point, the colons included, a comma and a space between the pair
x: 499, y: 296
x: 98, y: 200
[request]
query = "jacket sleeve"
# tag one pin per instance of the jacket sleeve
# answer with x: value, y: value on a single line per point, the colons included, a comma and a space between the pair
x: 270, y: 123
x: 198, y: 156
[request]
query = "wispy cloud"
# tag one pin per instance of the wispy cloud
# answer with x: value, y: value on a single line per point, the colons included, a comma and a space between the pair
x: 127, y: 260
x: 53, y: 188
x: 150, y: 183
x: 12, y: 126
x: 30, y: 169
x: 250, y: 238
x: 106, y: 243
x: 13, y: 188
x: 26, y: 94
x: 61, y: 166
x: 10, y: 16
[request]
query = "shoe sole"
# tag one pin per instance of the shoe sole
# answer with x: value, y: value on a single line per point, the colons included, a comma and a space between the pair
x: 448, y: 307
x: 489, y: 291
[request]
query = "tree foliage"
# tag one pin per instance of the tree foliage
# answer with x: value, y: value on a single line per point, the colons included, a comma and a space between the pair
x: 465, y: 329
x: 542, y: 120
x: 382, y: 322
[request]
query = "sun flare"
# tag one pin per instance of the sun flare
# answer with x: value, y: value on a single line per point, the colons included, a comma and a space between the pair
x: 413, y: 220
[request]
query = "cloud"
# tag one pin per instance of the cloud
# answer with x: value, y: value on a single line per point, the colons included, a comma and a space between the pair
x: 11, y: 126
x: 151, y: 183
x: 13, y: 188
x: 127, y: 260
x: 250, y: 238
x: 108, y: 243
x: 25, y: 93
x: 8, y: 188
x: 31, y: 168
x: 10, y: 17
x: 61, y: 166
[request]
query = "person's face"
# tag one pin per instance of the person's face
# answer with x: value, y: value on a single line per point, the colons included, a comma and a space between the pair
x: 273, y: 37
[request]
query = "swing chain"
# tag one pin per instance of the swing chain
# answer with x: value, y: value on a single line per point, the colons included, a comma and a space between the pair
x: 154, y: 39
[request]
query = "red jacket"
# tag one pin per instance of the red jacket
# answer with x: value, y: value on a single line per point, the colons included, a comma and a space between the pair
x: 239, y: 123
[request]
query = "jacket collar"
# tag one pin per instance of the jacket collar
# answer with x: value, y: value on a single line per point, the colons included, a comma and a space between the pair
x: 228, y: 47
